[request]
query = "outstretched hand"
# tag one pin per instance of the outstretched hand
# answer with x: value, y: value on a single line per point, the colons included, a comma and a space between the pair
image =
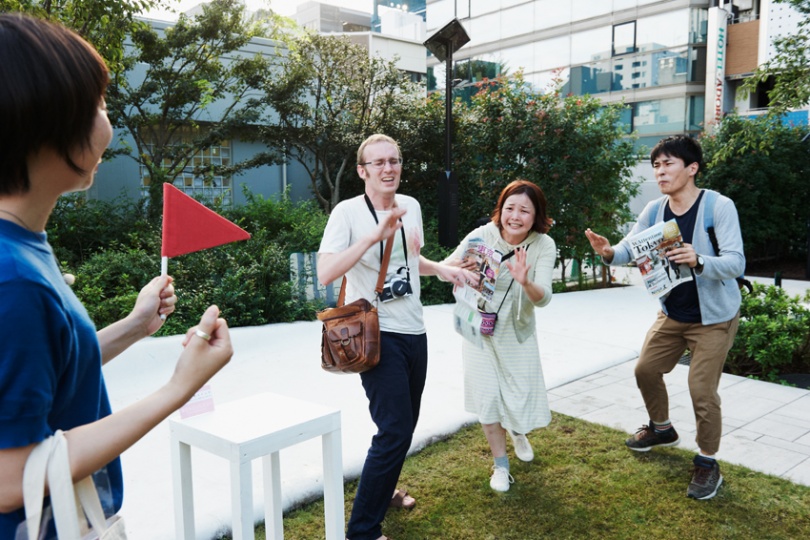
x: 520, y: 268
x: 390, y: 224
x: 600, y: 244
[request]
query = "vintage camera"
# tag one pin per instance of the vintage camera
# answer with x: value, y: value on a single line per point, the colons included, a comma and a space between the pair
x: 397, y: 287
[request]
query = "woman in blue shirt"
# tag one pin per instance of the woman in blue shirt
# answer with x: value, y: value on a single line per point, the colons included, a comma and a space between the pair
x: 54, y: 132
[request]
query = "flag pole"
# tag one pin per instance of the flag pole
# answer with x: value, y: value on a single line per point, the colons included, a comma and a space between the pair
x: 164, y: 270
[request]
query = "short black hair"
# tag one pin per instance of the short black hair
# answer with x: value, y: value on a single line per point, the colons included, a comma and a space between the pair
x: 679, y: 146
x: 51, y: 84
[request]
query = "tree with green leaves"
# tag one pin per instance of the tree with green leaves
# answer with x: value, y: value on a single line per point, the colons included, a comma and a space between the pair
x: 104, y: 23
x: 572, y: 147
x: 327, y: 97
x: 186, y: 88
x: 789, y: 67
x: 762, y: 165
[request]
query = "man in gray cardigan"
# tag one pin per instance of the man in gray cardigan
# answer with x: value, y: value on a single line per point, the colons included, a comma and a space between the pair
x: 701, y: 315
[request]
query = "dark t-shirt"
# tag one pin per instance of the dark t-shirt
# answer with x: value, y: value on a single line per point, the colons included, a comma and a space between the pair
x: 682, y: 303
x: 50, y: 359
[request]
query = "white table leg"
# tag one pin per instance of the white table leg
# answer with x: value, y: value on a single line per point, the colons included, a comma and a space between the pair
x: 183, y: 490
x: 333, y: 485
x: 273, y: 518
x: 242, y: 500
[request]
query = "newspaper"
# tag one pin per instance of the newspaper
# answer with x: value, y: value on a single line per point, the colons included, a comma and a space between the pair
x: 649, y: 249
x: 466, y: 316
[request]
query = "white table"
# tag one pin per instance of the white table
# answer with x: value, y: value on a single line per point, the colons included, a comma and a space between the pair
x: 258, y: 426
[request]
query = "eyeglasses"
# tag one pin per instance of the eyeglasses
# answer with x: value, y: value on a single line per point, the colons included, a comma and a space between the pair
x: 380, y: 163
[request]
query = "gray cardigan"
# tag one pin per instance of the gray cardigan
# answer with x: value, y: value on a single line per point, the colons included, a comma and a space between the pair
x: 717, y: 289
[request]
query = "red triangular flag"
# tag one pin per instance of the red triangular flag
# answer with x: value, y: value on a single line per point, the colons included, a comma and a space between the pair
x: 190, y: 226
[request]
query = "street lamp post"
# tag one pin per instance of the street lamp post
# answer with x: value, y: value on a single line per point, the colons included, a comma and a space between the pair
x: 447, y: 40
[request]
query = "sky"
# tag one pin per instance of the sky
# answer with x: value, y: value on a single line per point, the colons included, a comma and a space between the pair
x: 283, y: 7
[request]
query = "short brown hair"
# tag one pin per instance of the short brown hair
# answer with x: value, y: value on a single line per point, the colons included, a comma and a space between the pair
x: 542, y: 222
x: 51, y: 84
x: 376, y: 138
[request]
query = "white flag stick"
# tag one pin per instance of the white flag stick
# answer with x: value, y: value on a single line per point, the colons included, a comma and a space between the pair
x: 164, y: 270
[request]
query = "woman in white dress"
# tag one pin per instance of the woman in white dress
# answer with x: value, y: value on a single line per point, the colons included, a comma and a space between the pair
x: 503, y: 381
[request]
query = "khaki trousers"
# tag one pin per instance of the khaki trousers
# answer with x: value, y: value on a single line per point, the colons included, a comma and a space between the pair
x: 664, y: 345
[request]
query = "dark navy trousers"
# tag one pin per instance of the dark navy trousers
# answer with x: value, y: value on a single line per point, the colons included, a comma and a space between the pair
x: 394, y: 391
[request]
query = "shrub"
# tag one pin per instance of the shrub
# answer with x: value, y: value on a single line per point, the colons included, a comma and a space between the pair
x: 435, y: 291
x: 79, y: 227
x: 114, y: 252
x: 773, y: 337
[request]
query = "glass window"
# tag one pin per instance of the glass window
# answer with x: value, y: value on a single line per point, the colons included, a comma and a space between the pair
x: 624, y: 38
x: 485, y: 29
x: 626, y: 119
x: 591, y: 45
x: 655, y: 68
x: 660, y: 116
x: 626, y: 4
x: 663, y: 31
x: 518, y: 20
x: 552, y: 53
x: 521, y: 57
x: 699, y: 24
x: 585, y: 9
x: 551, y: 13
x: 594, y: 78
x: 198, y: 182
x: 548, y: 81
x: 696, y: 112
x: 463, y: 9
x: 440, y: 13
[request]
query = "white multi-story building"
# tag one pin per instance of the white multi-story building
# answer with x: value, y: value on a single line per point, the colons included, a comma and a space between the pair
x: 677, y: 64
x: 661, y: 57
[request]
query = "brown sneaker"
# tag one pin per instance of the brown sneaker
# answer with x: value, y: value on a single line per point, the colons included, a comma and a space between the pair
x: 706, y: 479
x: 646, y: 438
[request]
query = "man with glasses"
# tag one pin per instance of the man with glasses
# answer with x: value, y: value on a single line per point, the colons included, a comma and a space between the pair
x: 352, y: 246
x: 701, y: 315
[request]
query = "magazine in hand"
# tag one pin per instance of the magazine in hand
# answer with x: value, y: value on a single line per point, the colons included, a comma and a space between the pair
x: 650, y: 248
x: 466, y: 317
x: 488, y: 262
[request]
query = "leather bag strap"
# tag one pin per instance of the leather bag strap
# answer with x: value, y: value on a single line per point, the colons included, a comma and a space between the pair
x: 389, y: 244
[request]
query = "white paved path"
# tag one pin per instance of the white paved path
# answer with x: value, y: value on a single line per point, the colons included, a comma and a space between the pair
x: 588, y: 342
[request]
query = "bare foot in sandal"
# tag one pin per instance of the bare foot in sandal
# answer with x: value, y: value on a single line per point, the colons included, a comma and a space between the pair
x: 401, y: 499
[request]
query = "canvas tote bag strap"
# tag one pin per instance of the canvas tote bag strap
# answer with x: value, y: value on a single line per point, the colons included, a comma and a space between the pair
x: 389, y: 244
x: 50, y: 458
x: 34, y: 486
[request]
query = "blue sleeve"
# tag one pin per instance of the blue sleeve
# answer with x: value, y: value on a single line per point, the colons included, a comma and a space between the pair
x: 34, y: 337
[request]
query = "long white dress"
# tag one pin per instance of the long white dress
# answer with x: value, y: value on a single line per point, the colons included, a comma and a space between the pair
x: 503, y: 382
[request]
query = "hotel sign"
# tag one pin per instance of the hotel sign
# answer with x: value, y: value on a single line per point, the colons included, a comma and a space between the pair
x: 715, y: 67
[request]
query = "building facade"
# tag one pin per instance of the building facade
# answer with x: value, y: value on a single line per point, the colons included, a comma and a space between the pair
x: 676, y: 64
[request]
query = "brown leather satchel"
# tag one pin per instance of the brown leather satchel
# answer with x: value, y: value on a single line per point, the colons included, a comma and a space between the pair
x: 350, y: 342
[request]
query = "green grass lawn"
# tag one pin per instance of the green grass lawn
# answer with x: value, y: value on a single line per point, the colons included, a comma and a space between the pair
x: 583, y: 483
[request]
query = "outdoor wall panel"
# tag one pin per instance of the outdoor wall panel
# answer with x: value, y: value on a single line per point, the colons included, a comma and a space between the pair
x: 741, y: 53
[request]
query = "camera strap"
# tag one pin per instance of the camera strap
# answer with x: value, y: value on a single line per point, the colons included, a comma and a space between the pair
x: 504, y: 259
x: 401, y: 230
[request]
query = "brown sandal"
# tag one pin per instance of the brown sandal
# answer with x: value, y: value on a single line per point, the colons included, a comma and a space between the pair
x: 401, y: 499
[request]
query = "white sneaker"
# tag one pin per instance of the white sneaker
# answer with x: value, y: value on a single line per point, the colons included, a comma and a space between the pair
x: 500, y: 479
x: 523, y: 449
